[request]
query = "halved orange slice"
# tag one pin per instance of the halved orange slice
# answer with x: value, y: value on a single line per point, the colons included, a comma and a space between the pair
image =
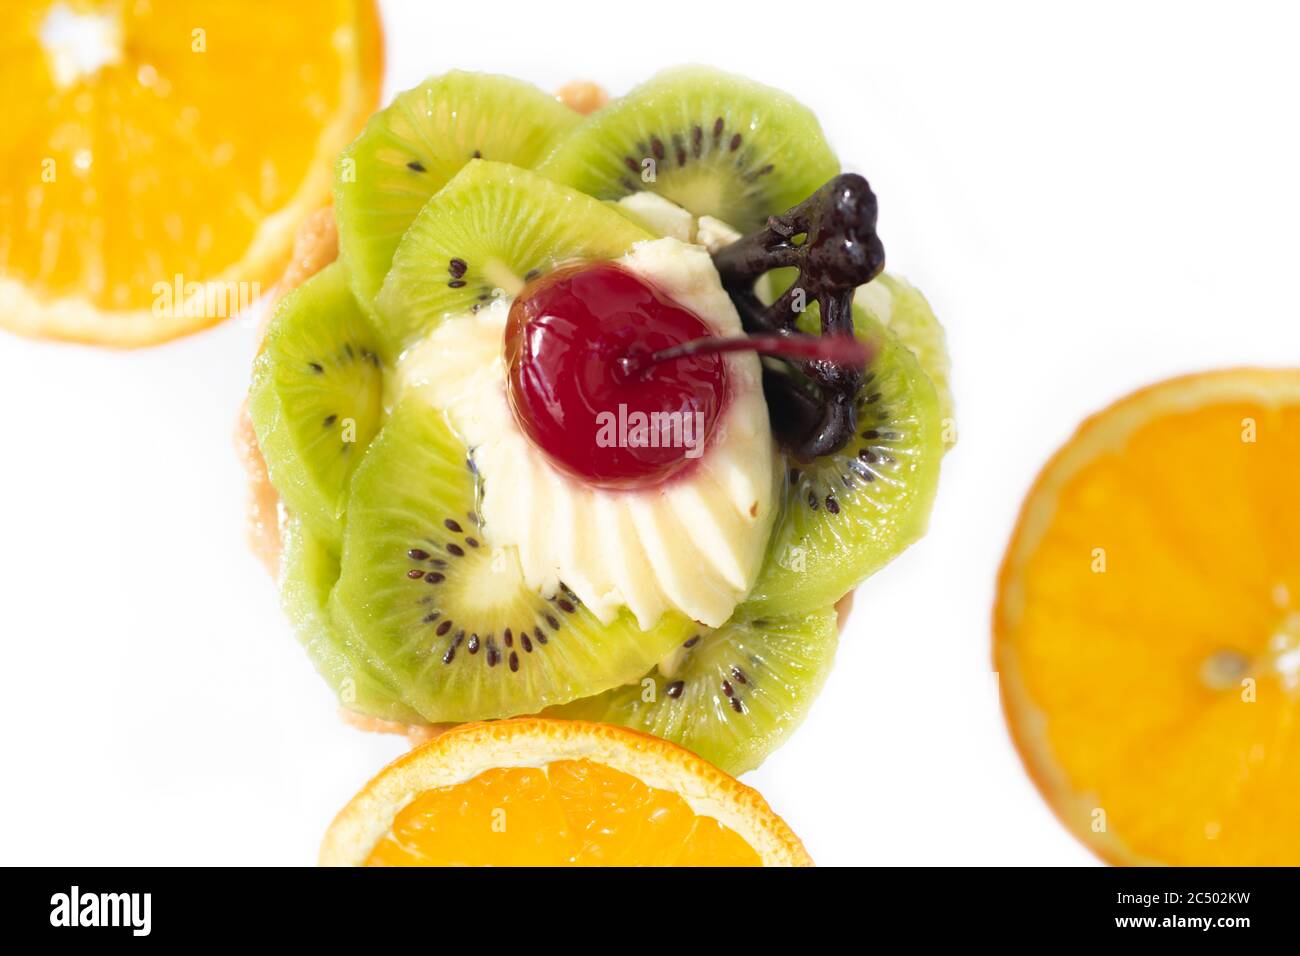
x: 159, y: 154
x: 1147, y: 628
x: 536, y: 792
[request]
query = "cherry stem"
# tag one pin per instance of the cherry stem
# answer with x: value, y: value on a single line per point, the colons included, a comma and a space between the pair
x: 836, y: 349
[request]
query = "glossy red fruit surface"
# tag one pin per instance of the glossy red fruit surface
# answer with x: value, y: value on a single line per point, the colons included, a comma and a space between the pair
x: 578, y: 344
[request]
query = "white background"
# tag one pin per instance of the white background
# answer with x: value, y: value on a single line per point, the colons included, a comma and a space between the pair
x: 1092, y: 199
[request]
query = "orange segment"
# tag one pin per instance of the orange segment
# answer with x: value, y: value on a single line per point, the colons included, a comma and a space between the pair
x: 536, y: 792
x: 571, y: 812
x: 1147, y: 629
x: 160, y: 154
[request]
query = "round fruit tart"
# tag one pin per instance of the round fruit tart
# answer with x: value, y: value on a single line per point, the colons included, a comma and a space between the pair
x: 598, y: 416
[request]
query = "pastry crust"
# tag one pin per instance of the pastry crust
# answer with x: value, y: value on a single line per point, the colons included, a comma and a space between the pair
x: 582, y: 96
x: 315, y: 246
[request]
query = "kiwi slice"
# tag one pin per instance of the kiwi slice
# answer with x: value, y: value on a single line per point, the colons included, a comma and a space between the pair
x: 717, y: 144
x: 847, y: 514
x: 409, y: 151
x: 449, y: 617
x: 732, y: 695
x: 315, y: 400
x: 487, y: 232
x: 904, y: 310
x: 309, y: 569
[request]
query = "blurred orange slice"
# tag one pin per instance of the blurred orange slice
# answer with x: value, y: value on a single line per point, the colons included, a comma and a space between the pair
x: 1147, y: 628
x: 535, y: 792
x: 159, y: 154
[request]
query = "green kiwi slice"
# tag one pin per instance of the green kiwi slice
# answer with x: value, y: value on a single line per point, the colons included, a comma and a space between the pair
x: 309, y: 569
x: 487, y: 232
x: 846, y: 515
x: 409, y: 151
x: 716, y: 144
x: 904, y: 310
x: 732, y: 695
x: 450, y: 618
x: 315, y: 400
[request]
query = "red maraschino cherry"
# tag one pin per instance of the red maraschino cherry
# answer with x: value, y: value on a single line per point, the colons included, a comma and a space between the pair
x: 620, y: 386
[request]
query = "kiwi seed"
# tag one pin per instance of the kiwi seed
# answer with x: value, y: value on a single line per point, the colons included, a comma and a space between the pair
x: 424, y: 557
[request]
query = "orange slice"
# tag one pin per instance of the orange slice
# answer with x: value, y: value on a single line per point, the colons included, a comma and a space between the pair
x: 535, y: 792
x: 1147, y: 628
x: 159, y: 154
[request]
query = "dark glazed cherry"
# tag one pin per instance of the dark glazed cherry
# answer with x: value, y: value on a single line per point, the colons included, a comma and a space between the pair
x: 585, y: 377
x: 830, y: 238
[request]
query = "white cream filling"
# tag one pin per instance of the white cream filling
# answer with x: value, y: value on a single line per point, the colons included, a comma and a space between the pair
x: 694, y: 544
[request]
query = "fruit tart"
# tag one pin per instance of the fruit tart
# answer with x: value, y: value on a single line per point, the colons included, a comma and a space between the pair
x: 597, y: 416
